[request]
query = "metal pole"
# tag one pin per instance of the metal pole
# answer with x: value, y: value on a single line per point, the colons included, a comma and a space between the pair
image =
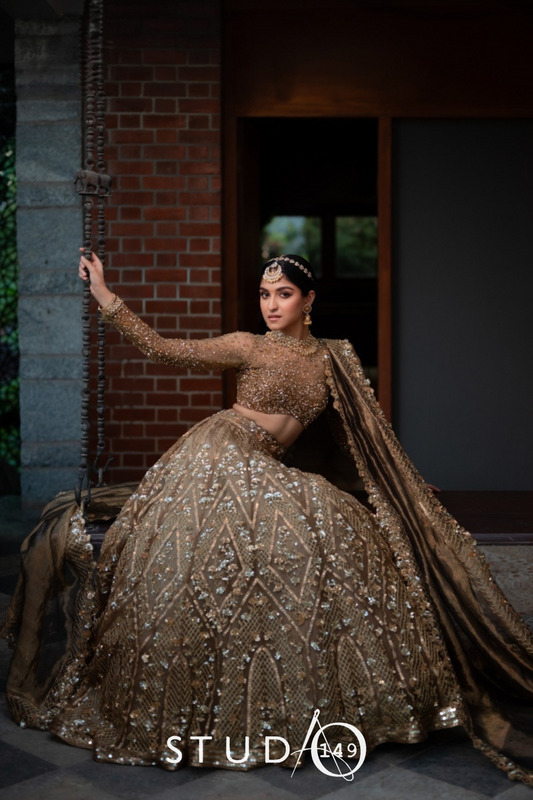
x: 94, y: 185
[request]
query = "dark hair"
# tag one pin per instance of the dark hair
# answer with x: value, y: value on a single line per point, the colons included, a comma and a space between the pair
x: 293, y: 272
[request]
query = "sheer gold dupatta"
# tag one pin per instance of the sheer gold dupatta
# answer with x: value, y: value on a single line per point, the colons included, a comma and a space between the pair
x: 49, y: 619
x: 489, y: 644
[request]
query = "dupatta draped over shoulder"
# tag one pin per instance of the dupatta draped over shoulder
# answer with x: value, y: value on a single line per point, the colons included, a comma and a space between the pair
x: 489, y: 644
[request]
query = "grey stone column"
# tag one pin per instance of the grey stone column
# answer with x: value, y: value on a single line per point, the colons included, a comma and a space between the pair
x: 49, y: 231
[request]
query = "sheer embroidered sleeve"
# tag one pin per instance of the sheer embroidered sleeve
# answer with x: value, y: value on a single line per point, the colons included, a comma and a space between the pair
x: 217, y: 353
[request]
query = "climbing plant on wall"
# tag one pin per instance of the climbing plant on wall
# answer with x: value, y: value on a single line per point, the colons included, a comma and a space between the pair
x: 9, y: 381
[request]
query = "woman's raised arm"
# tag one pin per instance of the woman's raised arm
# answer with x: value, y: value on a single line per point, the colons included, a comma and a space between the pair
x: 217, y: 353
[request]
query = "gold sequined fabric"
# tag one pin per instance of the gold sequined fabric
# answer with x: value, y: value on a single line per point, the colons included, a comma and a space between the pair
x: 489, y: 644
x: 238, y: 595
x: 275, y: 373
x: 235, y: 595
x: 49, y: 620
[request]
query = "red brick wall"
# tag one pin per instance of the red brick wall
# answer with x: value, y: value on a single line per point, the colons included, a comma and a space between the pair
x: 163, y: 236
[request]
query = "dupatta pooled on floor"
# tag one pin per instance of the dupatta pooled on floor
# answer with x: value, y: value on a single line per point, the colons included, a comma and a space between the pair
x: 489, y: 644
x: 49, y: 620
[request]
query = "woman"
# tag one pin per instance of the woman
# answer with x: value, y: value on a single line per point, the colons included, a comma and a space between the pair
x: 236, y: 595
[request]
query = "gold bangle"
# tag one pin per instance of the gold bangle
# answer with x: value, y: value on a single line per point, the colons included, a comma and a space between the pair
x: 111, y: 308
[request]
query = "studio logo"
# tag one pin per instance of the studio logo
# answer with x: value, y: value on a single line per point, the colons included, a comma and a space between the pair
x: 337, y: 752
x: 320, y: 748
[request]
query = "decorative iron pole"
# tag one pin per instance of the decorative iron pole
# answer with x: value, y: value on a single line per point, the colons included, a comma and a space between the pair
x: 94, y: 185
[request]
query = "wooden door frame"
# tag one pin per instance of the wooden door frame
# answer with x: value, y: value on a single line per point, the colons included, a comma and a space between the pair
x: 385, y: 265
x: 391, y: 61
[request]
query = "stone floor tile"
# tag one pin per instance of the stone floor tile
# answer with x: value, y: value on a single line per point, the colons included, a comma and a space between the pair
x: 17, y: 765
x: 55, y: 786
x: 392, y: 753
x: 461, y: 764
x: 229, y: 785
x: 309, y: 783
x: 6, y: 723
x: 46, y: 746
x: 512, y: 567
x: 399, y: 784
x: 517, y: 792
x: 134, y: 783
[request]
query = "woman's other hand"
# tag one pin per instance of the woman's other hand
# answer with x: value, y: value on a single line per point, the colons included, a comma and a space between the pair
x: 99, y: 289
x: 432, y: 488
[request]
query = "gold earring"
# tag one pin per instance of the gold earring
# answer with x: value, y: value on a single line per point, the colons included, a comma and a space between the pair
x: 307, y: 311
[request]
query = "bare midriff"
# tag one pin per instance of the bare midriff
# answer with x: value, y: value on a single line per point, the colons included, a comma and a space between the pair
x: 283, y: 427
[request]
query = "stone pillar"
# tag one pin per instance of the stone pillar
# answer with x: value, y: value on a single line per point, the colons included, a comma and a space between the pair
x: 49, y: 231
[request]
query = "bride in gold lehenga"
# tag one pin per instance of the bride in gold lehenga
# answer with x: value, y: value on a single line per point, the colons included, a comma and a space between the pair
x: 235, y: 595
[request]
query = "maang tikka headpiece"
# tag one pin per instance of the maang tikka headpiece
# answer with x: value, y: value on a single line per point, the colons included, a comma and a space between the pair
x: 274, y: 271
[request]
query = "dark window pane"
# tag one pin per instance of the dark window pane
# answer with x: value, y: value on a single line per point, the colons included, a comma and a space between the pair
x: 356, y: 247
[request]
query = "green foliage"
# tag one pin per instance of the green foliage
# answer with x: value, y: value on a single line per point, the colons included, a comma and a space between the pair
x: 300, y: 235
x: 9, y: 396
x: 312, y: 232
x: 356, y: 246
x: 356, y: 243
x: 9, y: 382
x: 10, y: 444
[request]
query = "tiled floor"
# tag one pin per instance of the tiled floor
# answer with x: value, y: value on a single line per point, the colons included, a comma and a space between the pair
x: 36, y: 766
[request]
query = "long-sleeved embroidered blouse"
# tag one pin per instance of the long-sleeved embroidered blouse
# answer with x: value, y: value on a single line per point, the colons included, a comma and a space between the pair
x: 276, y: 374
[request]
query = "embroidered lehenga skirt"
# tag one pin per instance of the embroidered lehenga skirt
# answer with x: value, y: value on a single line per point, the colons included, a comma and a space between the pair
x: 233, y: 597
